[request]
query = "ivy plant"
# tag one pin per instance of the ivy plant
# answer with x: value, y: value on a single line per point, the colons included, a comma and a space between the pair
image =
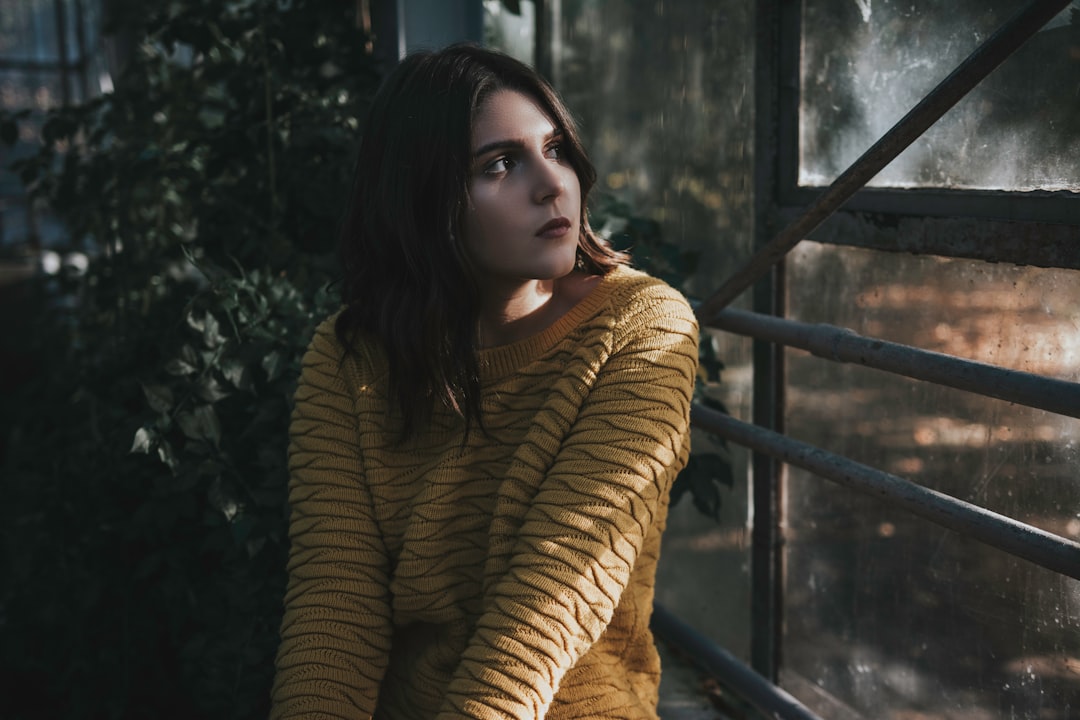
x: 144, y: 477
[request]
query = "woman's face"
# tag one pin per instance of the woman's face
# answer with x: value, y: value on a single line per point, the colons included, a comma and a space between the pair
x: 524, y: 213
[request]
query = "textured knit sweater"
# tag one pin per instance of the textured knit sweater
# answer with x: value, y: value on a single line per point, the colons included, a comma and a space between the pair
x: 505, y: 576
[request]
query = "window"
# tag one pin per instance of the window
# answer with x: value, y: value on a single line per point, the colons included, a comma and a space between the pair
x: 865, y: 64
x: 885, y: 614
x: 51, y: 53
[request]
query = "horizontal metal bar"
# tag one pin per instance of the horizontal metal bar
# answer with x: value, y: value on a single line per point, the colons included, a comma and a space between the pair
x: 42, y: 65
x: 1004, y: 533
x: 1014, y: 33
x: 1041, y: 244
x: 771, y: 700
x: 841, y: 344
x: 1045, y: 207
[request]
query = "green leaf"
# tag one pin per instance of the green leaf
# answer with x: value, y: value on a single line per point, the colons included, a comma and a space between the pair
x: 210, y: 390
x: 144, y: 439
x: 702, y: 478
x: 273, y: 365
x: 186, y: 364
x: 166, y: 454
x: 201, y: 424
x: 158, y: 397
x: 176, y: 366
x: 211, y: 333
x: 236, y: 373
x: 222, y: 501
x: 196, y: 322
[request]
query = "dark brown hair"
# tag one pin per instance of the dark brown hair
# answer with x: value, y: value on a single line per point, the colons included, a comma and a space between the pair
x: 407, y: 276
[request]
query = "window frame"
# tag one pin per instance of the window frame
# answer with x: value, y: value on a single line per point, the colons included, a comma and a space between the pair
x: 1025, y: 228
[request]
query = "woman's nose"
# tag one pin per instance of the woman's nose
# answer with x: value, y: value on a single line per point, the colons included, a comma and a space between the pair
x: 551, y: 181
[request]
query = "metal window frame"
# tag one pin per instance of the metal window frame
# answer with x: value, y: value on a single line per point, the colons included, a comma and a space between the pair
x: 1025, y: 228
x: 64, y: 12
x: 1032, y: 206
x: 1031, y: 228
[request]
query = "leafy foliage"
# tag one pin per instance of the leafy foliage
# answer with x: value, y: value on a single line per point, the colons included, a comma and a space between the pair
x: 207, y: 188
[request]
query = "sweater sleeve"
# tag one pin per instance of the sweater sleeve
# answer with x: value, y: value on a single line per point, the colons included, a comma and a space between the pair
x: 335, y: 634
x: 581, y: 537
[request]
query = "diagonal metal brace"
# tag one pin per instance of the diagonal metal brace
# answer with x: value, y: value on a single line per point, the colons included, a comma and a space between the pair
x: 949, y: 91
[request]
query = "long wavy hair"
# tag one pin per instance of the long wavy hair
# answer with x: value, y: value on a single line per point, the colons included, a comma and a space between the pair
x: 408, y: 279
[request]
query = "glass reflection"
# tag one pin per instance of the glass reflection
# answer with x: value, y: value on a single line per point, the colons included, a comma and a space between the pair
x: 887, y: 614
x: 866, y: 64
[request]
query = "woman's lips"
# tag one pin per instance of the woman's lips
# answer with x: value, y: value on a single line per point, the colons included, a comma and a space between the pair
x: 554, y: 228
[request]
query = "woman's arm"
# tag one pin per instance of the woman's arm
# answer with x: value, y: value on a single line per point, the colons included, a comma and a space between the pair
x: 335, y: 635
x: 582, y: 534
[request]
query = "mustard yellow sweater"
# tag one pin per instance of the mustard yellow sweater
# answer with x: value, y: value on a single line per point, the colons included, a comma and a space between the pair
x: 509, y: 577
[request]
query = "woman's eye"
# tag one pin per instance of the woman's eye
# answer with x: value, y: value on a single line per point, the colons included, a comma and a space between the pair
x: 499, y: 165
x: 555, y: 151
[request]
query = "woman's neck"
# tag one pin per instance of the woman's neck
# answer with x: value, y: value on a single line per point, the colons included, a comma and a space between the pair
x: 510, y: 314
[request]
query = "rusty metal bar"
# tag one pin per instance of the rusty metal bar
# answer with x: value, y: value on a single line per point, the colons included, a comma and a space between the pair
x: 1025, y: 541
x: 772, y: 701
x: 841, y: 344
x: 83, y: 63
x: 978, y: 65
x: 543, y: 32
x: 1047, y: 243
x: 61, y: 44
x: 39, y: 66
x: 1050, y: 209
x: 767, y: 403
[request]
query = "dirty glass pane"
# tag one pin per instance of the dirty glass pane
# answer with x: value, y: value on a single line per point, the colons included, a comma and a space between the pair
x: 889, y: 616
x: 663, y: 94
x: 28, y: 31
x: 39, y: 92
x: 866, y: 63
x: 31, y: 79
x: 511, y: 27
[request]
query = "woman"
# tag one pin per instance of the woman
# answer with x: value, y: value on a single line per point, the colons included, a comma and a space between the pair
x: 485, y: 436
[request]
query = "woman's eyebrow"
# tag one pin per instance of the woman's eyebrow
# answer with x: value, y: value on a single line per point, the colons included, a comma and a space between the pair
x: 512, y: 144
x: 498, y: 145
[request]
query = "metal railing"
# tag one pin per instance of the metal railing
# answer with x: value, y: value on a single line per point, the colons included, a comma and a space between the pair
x: 1004, y: 533
x: 1022, y: 540
x: 761, y: 694
x: 843, y: 345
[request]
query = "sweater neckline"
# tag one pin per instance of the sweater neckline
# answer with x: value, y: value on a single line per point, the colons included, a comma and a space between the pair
x: 498, y: 362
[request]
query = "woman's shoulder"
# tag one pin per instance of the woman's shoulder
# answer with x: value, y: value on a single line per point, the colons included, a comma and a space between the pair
x: 635, y: 293
x: 358, y: 353
x: 326, y: 343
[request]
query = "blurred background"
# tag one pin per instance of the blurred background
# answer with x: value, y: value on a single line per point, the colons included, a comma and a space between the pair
x: 171, y: 178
